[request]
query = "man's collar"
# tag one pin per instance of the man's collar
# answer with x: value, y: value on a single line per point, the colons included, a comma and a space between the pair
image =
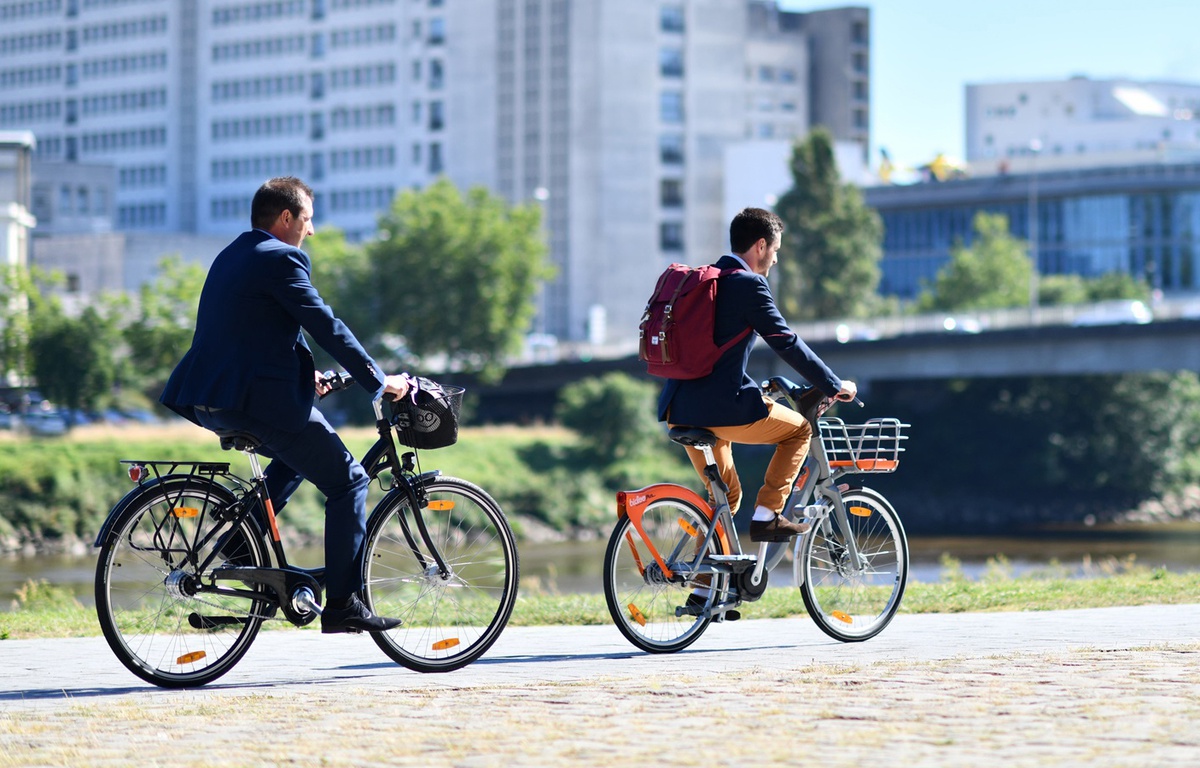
x: 741, y: 261
x: 265, y: 232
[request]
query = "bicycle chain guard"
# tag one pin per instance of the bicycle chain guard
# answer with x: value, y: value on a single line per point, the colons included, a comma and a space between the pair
x: 749, y: 591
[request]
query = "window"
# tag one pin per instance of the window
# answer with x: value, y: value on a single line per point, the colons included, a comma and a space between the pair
x: 860, y: 63
x: 435, y: 158
x: 671, y: 193
x: 318, y: 86
x: 436, y: 118
x: 858, y: 32
x: 437, y: 31
x: 670, y: 236
x: 670, y: 149
x: 671, y: 107
x: 766, y: 74
x: 670, y: 62
x: 860, y: 118
x: 436, y: 75
x: 860, y: 90
x: 671, y: 18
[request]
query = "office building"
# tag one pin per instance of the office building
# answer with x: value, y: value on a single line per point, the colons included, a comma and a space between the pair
x: 614, y: 115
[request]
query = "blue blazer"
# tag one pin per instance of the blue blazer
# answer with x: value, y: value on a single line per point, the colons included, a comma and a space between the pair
x: 729, y: 396
x: 248, y: 353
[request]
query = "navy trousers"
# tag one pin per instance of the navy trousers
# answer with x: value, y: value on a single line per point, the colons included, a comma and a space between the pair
x: 318, y: 455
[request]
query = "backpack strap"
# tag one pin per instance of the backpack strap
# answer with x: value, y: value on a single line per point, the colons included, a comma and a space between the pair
x: 746, y: 332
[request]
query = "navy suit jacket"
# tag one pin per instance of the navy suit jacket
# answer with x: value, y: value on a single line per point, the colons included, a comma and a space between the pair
x: 729, y: 396
x: 248, y: 353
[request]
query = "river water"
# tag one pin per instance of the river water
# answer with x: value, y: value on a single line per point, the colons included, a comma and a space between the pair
x: 575, y: 566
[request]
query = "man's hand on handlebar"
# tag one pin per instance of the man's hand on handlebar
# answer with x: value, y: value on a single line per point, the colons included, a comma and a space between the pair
x: 848, y: 392
x: 397, y: 385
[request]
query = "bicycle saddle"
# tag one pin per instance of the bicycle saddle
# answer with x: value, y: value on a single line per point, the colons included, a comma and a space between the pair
x: 237, y: 441
x: 696, y: 437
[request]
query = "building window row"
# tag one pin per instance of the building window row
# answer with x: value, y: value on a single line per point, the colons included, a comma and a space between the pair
x: 48, y: 147
x: 344, y: 118
x: 260, y: 167
x: 30, y: 9
x: 27, y: 77
x: 362, y: 157
x: 30, y: 112
x: 268, y: 47
x: 261, y: 11
x: 81, y: 201
x: 226, y: 208
x: 93, y: 4
x: 258, y: 127
x: 257, y: 88
x: 360, y: 36
x: 128, y: 101
x: 362, y: 77
x: 343, y: 5
x: 119, y: 30
x: 141, y: 177
x: 370, y: 199
x: 121, y: 65
x: 142, y: 216
x: 116, y: 141
x: 38, y: 41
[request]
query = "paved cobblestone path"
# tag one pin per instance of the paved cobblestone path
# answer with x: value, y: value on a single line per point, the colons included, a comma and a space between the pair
x: 1102, y: 687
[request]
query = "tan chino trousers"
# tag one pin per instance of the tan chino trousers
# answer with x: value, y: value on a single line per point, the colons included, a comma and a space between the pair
x: 782, y: 427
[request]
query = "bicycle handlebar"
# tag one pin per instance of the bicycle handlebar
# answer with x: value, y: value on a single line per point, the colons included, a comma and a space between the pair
x: 796, y: 391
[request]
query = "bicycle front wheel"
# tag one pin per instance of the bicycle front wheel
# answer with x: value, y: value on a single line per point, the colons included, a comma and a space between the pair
x: 644, y: 602
x: 853, y: 600
x: 449, y: 618
x: 158, y: 610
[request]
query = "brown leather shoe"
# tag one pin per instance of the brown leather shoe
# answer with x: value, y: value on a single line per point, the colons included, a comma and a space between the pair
x: 779, y: 529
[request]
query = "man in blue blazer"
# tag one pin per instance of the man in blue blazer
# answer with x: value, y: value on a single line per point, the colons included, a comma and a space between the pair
x: 729, y: 402
x: 249, y: 369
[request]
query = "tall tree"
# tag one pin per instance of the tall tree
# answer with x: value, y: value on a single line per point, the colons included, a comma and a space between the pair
x: 162, y: 327
x: 829, y: 265
x: 992, y: 273
x: 454, y: 275
x: 74, y: 359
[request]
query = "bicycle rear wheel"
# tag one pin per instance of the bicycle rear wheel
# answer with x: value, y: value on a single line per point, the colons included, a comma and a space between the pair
x: 641, y: 599
x: 854, y: 601
x: 151, y: 598
x: 449, y: 620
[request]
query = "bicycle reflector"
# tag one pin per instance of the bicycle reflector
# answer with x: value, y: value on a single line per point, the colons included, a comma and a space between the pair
x: 137, y: 473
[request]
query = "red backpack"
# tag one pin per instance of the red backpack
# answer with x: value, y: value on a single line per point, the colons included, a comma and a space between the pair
x: 676, y: 332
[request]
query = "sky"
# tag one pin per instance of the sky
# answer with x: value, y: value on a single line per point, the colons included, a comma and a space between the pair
x: 925, y: 51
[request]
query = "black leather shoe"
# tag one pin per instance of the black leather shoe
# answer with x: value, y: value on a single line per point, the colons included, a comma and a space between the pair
x: 775, y: 530
x: 695, y: 606
x: 355, y: 617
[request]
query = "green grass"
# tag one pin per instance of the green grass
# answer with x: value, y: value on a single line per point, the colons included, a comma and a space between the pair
x: 45, y: 611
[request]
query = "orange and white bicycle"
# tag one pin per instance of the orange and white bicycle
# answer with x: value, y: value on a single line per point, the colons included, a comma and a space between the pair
x: 674, y: 563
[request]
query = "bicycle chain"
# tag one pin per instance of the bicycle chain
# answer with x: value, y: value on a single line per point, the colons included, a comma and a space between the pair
x: 210, y: 604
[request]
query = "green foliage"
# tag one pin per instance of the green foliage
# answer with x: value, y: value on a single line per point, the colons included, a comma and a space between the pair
x: 453, y: 275
x: 162, y: 327
x: 829, y: 264
x: 17, y: 291
x: 1075, y: 289
x: 993, y: 273
x: 74, y: 359
x: 1056, y: 290
x: 1094, y: 442
x: 614, y: 416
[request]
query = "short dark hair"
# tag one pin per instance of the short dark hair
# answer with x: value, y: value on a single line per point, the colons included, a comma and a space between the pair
x: 274, y: 197
x: 752, y: 224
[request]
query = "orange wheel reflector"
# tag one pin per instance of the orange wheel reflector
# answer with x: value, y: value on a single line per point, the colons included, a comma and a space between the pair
x: 442, y: 645
x: 185, y: 512
x: 861, y: 511
x: 637, y: 615
x: 441, y: 505
x: 188, y: 658
x: 842, y: 617
x: 685, y: 525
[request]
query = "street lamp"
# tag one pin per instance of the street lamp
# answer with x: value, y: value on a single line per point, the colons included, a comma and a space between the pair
x: 1035, y: 147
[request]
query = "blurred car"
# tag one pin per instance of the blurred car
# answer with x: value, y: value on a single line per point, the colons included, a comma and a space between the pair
x: 45, y: 423
x: 846, y: 333
x: 961, y: 325
x: 1117, y: 312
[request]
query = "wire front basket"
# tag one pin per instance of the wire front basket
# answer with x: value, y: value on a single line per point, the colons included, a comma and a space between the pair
x: 871, y: 447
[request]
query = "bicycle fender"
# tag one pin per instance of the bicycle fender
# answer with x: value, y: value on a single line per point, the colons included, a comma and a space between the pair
x: 126, y: 500
x: 632, y: 504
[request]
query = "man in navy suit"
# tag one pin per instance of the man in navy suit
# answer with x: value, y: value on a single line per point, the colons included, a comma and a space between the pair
x: 250, y: 370
x: 729, y: 402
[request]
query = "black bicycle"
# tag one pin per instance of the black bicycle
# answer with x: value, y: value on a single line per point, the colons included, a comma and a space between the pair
x: 191, y: 563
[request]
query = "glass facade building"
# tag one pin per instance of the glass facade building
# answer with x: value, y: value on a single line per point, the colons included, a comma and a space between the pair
x: 1139, y: 219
